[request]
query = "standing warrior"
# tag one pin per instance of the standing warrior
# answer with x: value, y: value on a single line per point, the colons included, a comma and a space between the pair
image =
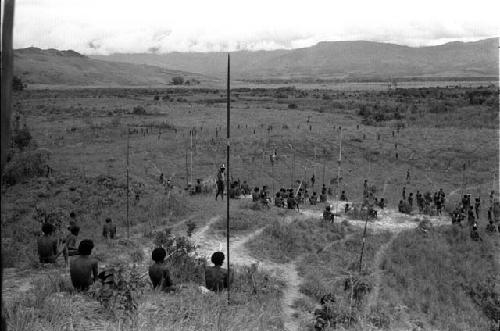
x: 476, y: 206
x: 220, y: 182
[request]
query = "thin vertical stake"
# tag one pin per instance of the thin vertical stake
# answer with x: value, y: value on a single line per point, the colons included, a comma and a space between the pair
x: 128, y: 190
x: 228, y: 125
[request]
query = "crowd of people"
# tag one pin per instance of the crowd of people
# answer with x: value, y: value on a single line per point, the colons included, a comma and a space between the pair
x: 83, y: 268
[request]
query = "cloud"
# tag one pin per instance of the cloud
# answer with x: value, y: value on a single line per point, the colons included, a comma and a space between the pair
x: 102, y: 27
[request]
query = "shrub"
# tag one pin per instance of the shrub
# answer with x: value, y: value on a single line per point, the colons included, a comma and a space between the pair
x: 178, y: 80
x: 190, y: 227
x: 139, y: 110
x: 22, y: 138
x: 17, y: 84
x: 25, y: 165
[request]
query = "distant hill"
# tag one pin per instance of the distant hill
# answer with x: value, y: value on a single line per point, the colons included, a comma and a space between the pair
x: 54, y: 67
x: 339, y: 60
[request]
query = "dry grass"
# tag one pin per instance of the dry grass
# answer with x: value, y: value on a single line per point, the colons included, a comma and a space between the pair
x: 281, y: 242
x: 84, y: 131
x: 445, y: 280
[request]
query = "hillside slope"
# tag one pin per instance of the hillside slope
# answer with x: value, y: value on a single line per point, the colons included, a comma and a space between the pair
x: 54, y: 67
x: 337, y: 60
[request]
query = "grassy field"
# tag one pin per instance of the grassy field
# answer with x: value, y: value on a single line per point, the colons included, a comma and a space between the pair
x: 444, y: 281
x: 83, y: 132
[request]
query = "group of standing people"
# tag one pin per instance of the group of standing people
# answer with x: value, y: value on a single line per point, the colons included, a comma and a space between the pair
x: 426, y: 203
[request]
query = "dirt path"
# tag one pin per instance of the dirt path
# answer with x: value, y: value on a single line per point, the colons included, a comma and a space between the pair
x: 207, y: 244
x: 377, y: 261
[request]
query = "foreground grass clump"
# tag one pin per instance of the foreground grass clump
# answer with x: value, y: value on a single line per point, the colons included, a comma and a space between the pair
x: 444, y: 280
x: 25, y: 165
x: 280, y: 242
x: 326, y: 272
x: 133, y: 305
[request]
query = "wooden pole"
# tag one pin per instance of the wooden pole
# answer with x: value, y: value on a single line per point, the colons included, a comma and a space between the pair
x: 272, y: 175
x: 228, y: 125
x: 324, y: 166
x: 7, y: 74
x: 191, y: 163
x: 339, y: 165
x: 364, y: 239
x: 128, y: 190
x: 187, y: 170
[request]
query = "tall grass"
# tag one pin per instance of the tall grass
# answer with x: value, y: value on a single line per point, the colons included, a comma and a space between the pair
x: 445, y: 277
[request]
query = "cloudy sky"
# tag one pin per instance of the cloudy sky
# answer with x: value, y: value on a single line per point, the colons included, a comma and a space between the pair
x: 107, y: 26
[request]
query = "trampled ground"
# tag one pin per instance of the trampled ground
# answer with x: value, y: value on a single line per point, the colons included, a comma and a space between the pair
x: 85, y: 132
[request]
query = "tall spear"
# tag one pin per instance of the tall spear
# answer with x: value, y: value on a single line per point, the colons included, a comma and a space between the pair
x: 227, y: 177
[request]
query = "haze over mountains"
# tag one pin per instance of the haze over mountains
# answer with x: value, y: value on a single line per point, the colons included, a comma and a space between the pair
x: 350, y: 60
x: 326, y: 61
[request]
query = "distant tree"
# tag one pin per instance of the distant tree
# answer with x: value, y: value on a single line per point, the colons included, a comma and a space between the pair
x: 17, y: 84
x: 178, y: 80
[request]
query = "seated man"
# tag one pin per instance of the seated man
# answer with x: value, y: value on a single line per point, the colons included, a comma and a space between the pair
x: 216, y: 278
x: 292, y: 203
x: 300, y: 199
x: 327, y: 214
x: 232, y: 191
x: 343, y: 196
x: 47, y: 245
x: 323, y: 197
x: 381, y: 204
x: 491, y: 227
x: 256, y: 195
x: 70, y: 247
x: 346, y: 208
x: 400, y: 206
x: 158, y: 272
x: 237, y: 190
x: 197, y: 188
x: 474, y: 234
x: 109, y: 229
x: 278, y: 201
x: 313, y: 200
x: 244, y: 188
x: 83, y: 269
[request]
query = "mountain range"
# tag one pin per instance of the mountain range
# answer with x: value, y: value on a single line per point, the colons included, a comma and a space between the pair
x: 338, y: 60
x: 325, y: 61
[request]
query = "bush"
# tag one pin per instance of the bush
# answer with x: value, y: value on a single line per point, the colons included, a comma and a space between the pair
x: 17, y: 84
x: 139, y: 110
x: 22, y: 138
x: 25, y: 165
x: 178, y: 80
x: 190, y: 227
